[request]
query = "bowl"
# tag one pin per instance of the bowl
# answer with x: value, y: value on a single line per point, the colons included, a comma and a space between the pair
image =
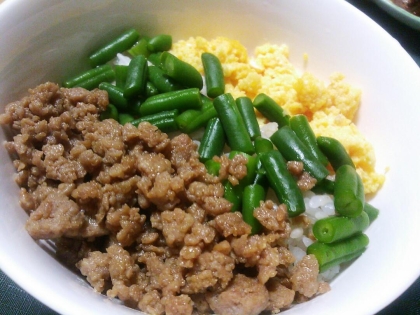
x: 399, y: 13
x: 47, y: 40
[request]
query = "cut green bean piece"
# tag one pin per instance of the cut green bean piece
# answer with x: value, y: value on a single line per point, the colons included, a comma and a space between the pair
x: 182, y: 72
x: 125, y: 118
x: 151, y: 89
x: 371, y: 211
x: 162, y: 82
x: 335, y: 152
x: 349, y: 196
x: 213, y: 75
x: 93, y: 82
x: 160, y: 43
x: 293, y: 149
x: 115, y: 95
x: 282, y: 182
x: 120, y: 75
x: 329, y: 255
x: 213, y: 140
x: 111, y: 112
x: 263, y: 144
x: 301, y: 127
x: 154, y: 59
x: 164, y: 120
x: 140, y: 48
x: 324, y: 186
x: 212, y: 167
x: 192, y: 119
x: 180, y: 100
x: 247, y: 111
x: 120, y: 44
x: 86, y: 75
x: 337, y: 228
x: 251, y: 199
x: 231, y: 196
x: 236, y: 134
x: 135, y: 84
x: 271, y: 110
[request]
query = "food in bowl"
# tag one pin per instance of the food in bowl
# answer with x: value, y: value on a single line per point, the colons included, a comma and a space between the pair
x: 138, y: 212
x: 412, y: 6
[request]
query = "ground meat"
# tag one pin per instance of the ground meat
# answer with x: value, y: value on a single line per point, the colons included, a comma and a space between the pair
x: 138, y: 215
x: 244, y: 296
x: 304, y: 276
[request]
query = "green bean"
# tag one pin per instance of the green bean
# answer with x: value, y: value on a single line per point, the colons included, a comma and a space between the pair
x: 124, y: 118
x: 182, y: 72
x: 337, y: 228
x: 247, y: 111
x: 293, y: 149
x: 110, y: 112
x: 349, y: 197
x: 164, y: 120
x: 271, y: 110
x: 181, y: 100
x: 151, y: 89
x: 300, y: 125
x: 251, y: 168
x: 86, y: 75
x: 140, y: 48
x: 329, y: 255
x: 236, y: 134
x: 120, y: 75
x: 324, y: 186
x: 212, y: 167
x: 282, y: 182
x: 235, y: 192
x: 135, y: 84
x: 213, y: 74
x: 154, y: 59
x: 118, y: 45
x: 115, y: 95
x: 251, y: 199
x: 213, y: 140
x: 93, y: 82
x: 162, y: 82
x: 134, y: 106
x: 192, y: 119
x: 262, y: 144
x: 371, y: 211
x: 334, y: 151
x: 160, y: 43
x: 231, y: 196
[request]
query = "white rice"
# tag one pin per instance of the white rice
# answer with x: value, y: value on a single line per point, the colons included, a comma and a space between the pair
x: 317, y: 207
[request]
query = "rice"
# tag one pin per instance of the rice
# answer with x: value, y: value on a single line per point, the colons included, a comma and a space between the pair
x: 317, y: 207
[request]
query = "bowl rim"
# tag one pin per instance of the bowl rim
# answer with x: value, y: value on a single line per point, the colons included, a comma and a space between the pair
x: 399, y: 13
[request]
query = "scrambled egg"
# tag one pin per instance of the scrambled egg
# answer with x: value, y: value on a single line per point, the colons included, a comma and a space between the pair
x: 330, y: 107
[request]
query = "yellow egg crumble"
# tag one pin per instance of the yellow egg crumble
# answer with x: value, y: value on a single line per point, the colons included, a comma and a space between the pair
x: 330, y: 107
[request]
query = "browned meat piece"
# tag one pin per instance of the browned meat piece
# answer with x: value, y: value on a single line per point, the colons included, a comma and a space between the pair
x: 96, y: 269
x: 295, y: 167
x: 126, y: 223
x: 176, y: 224
x: 56, y: 216
x: 280, y: 297
x: 209, y: 197
x: 151, y: 303
x: 178, y: 305
x: 273, y: 217
x: 243, y: 296
x: 304, y: 276
x: 232, y: 223
x: 306, y: 181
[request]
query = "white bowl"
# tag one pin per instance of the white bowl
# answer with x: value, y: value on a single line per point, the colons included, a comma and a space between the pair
x: 48, y: 39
